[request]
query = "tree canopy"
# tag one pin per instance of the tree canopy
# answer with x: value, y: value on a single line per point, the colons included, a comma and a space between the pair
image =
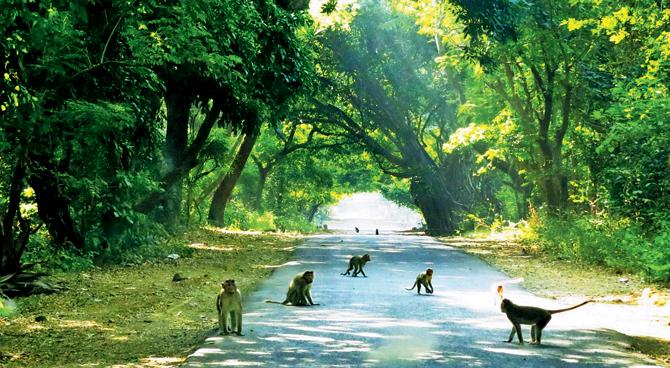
x: 123, y: 121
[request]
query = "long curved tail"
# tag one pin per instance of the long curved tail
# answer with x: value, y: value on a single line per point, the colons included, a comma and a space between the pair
x: 413, y: 286
x: 276, y: 302
x: 571, y: 308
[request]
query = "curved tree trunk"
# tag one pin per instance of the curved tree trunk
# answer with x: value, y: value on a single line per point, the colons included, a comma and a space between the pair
x: 222, y: 194
x: 262, y: 179
x: 435, y: 206
x: 313, y: 209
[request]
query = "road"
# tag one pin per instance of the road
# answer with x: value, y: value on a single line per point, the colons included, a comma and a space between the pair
x: 375, y: 322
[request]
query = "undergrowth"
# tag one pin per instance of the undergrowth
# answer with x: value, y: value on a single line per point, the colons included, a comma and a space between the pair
x: 134, y: 315
x: 617, y: 243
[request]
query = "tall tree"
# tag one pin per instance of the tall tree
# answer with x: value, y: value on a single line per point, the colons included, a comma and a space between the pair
x: 383, y: 89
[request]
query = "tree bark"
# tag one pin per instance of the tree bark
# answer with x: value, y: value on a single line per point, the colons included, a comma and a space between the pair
x: 223, y: 192
x: 12, y: 244
x: 262, y: 179
x: 312, y: 211
x: 435, y: 206
x: 178, y: 106
x: 189, y: 161
x: 53, y: 207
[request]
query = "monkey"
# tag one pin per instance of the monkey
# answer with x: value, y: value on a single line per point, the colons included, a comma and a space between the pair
x: 525, y: 315
x: 356, y: 263
x: 425, y: 279
x: 356, y: 229
x: 299, y: 290
x: 229, y: 306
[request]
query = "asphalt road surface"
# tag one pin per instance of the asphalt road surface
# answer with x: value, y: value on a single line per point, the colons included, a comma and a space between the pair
x: 375, y: 322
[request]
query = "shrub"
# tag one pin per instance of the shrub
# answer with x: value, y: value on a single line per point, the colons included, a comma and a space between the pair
x: 617, y: 243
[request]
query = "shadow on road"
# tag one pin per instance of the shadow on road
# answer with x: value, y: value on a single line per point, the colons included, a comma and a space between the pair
x: 375, y: 322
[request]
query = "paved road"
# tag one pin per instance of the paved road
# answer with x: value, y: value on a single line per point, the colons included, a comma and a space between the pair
x: 374, y: 322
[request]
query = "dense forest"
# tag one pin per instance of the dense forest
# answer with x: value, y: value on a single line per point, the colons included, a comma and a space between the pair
x: 122, y: 121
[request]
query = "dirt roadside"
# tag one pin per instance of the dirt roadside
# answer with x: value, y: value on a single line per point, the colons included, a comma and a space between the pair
x: 136, y: 315
x: 563, y: 279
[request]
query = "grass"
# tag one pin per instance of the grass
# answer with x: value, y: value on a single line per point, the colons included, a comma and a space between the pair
x: 556, y: 277
x: 137, y: 316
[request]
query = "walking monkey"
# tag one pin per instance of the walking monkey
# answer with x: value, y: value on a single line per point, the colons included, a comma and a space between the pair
x: 229, y: 306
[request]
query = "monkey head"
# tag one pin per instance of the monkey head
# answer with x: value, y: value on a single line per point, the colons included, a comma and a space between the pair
x: 429, y: 271
x: 504, y: 305
x: 229, y: 286
x: 308, y: 276
x: 366, y: 258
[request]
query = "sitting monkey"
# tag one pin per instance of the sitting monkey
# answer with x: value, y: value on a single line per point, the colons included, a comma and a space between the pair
x: 299, y: 290
x: 229, y: 306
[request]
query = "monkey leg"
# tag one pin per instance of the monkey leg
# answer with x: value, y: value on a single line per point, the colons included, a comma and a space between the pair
x: 533, y: 332
x: 226, y: 321
x: 418, y: 288
x: 363, y: 273
x: 357, y: 270
x: 429, y: 290
x: 233, y: 321
x: 236, y: 322
x: 538, y: 330
x: 222, y: 323
x: 511, y: 335
x: 517, y: 328
x: 239, y: 323
x: 347, y: 271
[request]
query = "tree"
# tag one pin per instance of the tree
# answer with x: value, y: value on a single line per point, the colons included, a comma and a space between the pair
x: 385, y: 92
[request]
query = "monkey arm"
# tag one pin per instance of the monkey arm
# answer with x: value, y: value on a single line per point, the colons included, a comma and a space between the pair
x: 308, y: 297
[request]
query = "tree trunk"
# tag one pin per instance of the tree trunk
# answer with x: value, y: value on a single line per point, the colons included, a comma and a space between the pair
x: 555, y: 187
x: 176, y: 141
x: 435, y: 205
x: 12, y: 244
x: 225, y: 189
x: 312, y: 211
x: 53, y: 207
x: 262, y: 179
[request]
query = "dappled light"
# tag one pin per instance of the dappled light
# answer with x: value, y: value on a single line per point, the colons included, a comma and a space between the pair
x: 167, y: 164
x: 381, y: 324
x: 208, y: 247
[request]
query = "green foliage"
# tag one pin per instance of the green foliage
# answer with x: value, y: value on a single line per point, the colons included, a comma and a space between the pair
x: 48, y: 258
x: 613, y: 242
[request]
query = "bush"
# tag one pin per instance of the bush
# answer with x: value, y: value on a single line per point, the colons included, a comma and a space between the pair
x: 46, y: 257
x: 617, y: 243
x: 263, y: 222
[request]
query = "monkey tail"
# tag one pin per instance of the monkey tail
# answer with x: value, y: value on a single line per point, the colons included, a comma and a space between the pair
x: 218, y: 303
x: 571, y: 308
x: 275, y: 302
x: 413, y: 286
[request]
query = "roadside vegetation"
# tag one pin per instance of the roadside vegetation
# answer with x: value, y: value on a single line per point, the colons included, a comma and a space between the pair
x: 124, y: 123
x: 136, y: 315
x: 552, y: 274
